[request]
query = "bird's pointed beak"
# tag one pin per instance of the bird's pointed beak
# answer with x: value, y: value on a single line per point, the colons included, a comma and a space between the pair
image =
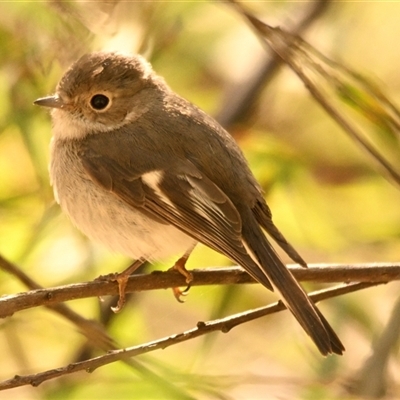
x: 50, y: 101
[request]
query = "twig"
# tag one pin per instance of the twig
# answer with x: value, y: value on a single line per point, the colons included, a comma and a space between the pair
x: 10, y: 304
x: 240, y: 98
x: 95, y: 332
x: 224, y: 325
x: 300, y: 56
x: 371, y: 380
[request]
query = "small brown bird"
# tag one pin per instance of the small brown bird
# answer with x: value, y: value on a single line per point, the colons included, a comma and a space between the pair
x: 148, y: 174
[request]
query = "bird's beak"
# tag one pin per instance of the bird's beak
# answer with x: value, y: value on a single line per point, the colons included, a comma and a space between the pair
x: 50, y: 101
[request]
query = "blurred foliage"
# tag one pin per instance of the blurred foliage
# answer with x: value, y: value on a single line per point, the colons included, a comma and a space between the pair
x: 327, y: 196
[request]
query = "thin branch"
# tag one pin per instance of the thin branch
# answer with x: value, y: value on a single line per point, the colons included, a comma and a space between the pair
x: 371, y: 380
x: 368, y: 275
x: 240, y: 98
x: 224, y: 325
x: 95, y: 332
x: 9, y: 304
x: 306, y: 61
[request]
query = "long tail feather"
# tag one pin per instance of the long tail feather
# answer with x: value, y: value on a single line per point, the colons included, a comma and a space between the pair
x: 293, y: 295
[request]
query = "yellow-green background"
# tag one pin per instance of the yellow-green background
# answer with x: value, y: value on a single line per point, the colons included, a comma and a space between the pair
x: 327, y: 196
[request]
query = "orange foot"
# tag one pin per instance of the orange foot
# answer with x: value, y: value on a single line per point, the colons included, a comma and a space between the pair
x: 122, y: 279
x: 180, y: 266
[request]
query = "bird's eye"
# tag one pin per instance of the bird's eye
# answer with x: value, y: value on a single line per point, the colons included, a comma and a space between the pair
x: 99, y: 102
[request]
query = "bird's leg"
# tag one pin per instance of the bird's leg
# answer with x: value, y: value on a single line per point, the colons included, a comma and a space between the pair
x: 122, y: 280
x: 180, y: 267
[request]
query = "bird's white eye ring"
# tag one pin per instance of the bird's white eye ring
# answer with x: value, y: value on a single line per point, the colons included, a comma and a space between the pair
x: 100, y: 102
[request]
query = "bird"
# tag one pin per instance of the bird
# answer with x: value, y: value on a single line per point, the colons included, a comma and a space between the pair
x: 148, y: 174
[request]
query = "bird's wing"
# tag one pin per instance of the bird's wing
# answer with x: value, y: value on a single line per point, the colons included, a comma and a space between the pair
x: 264, y: 217
x: 177, y: 194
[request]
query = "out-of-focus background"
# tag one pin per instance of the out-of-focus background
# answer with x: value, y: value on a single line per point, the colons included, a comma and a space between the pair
x: 328, y: 197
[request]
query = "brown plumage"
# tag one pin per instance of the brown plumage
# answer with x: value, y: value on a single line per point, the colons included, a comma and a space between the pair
x: 148, y: 174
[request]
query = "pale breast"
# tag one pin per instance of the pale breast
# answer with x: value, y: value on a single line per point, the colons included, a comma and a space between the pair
x: 106, y: 219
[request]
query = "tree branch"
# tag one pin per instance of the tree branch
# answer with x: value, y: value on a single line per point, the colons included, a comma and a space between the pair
x: 94, y: 331
x: 328, y: 81
x: 240, y: 98
x: 9, y: 304
x: 224, y: 325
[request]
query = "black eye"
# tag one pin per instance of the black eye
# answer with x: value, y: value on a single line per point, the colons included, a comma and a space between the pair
x: 99, y: 101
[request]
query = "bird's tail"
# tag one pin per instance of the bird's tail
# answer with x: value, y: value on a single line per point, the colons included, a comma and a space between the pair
x: 292, y: 294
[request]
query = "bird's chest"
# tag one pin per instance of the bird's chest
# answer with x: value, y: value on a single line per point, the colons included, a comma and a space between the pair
x: 104, y: 217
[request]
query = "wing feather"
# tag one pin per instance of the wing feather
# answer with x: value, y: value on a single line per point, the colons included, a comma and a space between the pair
x: 182, y: 197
